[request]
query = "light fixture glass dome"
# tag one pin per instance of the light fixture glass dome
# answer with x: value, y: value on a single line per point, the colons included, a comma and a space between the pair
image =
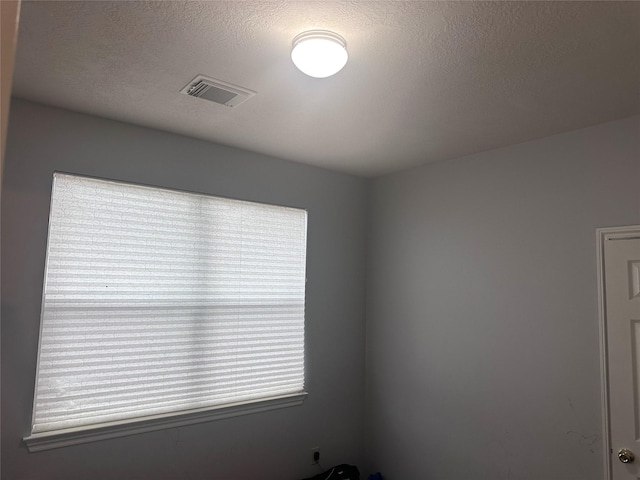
x: 319, y: 53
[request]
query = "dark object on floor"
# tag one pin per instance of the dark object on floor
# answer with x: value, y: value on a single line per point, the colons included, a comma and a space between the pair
x: 375, y: 476
x: 339, y: 472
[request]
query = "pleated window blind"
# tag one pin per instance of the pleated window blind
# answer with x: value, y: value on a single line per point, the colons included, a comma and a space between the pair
x: 158, y: 301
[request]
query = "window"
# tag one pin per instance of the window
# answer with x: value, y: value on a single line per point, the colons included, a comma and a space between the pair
x: 159, y: 302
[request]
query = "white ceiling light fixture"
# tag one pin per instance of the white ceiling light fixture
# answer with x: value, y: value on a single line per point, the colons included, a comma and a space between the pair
x: 319, y: 53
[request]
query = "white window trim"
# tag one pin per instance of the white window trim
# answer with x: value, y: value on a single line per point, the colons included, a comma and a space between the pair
x: 76, y: 436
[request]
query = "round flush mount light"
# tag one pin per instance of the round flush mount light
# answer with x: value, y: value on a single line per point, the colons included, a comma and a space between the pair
x: 319, y: 53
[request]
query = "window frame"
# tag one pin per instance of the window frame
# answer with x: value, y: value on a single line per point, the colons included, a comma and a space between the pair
x: 106, y: 430
x: 75, y: 436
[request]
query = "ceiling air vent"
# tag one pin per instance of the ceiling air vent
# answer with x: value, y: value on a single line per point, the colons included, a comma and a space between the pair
x: 217, y: 91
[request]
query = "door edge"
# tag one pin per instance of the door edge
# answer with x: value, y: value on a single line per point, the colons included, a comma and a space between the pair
x: 603, y: 235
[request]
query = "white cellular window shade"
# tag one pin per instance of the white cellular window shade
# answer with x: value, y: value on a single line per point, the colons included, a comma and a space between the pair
x: 162, y: 302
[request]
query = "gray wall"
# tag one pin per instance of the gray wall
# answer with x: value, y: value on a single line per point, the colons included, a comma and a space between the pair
x: 482, y: 323
x: 273, y: 445
x: 482, y: 330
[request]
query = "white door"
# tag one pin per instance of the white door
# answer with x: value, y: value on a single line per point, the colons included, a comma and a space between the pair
x: 622, y: 322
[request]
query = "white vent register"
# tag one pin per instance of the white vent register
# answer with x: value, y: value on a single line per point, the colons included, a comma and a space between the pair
x: 217, y: 91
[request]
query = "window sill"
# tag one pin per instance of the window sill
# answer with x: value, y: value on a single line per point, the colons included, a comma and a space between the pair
x: 74, y: 436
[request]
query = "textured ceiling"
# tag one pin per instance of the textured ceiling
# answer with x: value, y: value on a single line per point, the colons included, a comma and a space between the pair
x: 426, y: 81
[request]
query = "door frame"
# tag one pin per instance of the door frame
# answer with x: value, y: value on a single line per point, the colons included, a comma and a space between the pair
x: 602, y: 235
